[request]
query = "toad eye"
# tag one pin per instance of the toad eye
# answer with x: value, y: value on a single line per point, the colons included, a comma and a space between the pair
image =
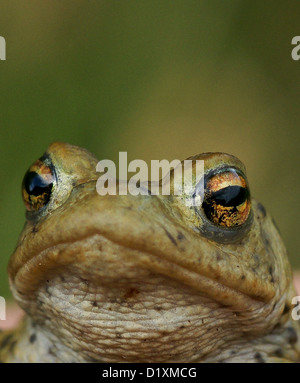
x: 226, y: 200
x: 37, y: 185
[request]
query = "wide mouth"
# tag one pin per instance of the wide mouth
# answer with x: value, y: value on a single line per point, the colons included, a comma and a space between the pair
x: 43, y: 266
x: 160, y: 244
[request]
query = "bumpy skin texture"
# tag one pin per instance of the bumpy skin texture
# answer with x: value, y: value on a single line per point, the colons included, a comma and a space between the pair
x: 140, y: 278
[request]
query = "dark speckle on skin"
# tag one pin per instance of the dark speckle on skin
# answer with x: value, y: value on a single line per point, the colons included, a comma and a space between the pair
x: 266, y: 242
x: 40, y: 302
x: 217, y: 276
x: 32, y: 338
x: 292, y: 335
x: 286, y: 309
x: 131, y: 293
x: 95, y: 304
x: 256, y: 259
x: 171, y: 237
x: 34, y: 230
x: 261, y: 209
x: 12, y: 345
x: 259, y: 358
x: 271, y: 274
x: 6, y: 340
x: 243, y: 277
x: 278, y: 353
x: 51, y: 351
x: 180, y: 236
x: 47, y: 290
x: 85, y: 281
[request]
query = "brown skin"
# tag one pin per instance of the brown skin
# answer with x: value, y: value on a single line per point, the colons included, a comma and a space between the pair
x: 146, y: 278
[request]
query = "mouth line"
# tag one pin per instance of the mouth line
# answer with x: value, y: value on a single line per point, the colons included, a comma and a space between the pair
x: 47, y: 260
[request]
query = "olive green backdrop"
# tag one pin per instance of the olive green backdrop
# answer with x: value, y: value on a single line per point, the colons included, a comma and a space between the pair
x: 158, y: 79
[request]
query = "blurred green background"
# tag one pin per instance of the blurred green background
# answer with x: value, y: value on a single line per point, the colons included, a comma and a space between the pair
x: 158, y: 79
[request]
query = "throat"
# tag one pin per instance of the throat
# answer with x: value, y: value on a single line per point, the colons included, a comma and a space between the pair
x: 148, y: 320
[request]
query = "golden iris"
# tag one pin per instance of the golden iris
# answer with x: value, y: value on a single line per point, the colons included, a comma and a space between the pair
x: 227, y: 198
x: 37, y: 185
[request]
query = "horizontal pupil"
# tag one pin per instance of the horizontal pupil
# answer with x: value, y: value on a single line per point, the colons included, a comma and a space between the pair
x: 230, y: 196
x: 35, y: 184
